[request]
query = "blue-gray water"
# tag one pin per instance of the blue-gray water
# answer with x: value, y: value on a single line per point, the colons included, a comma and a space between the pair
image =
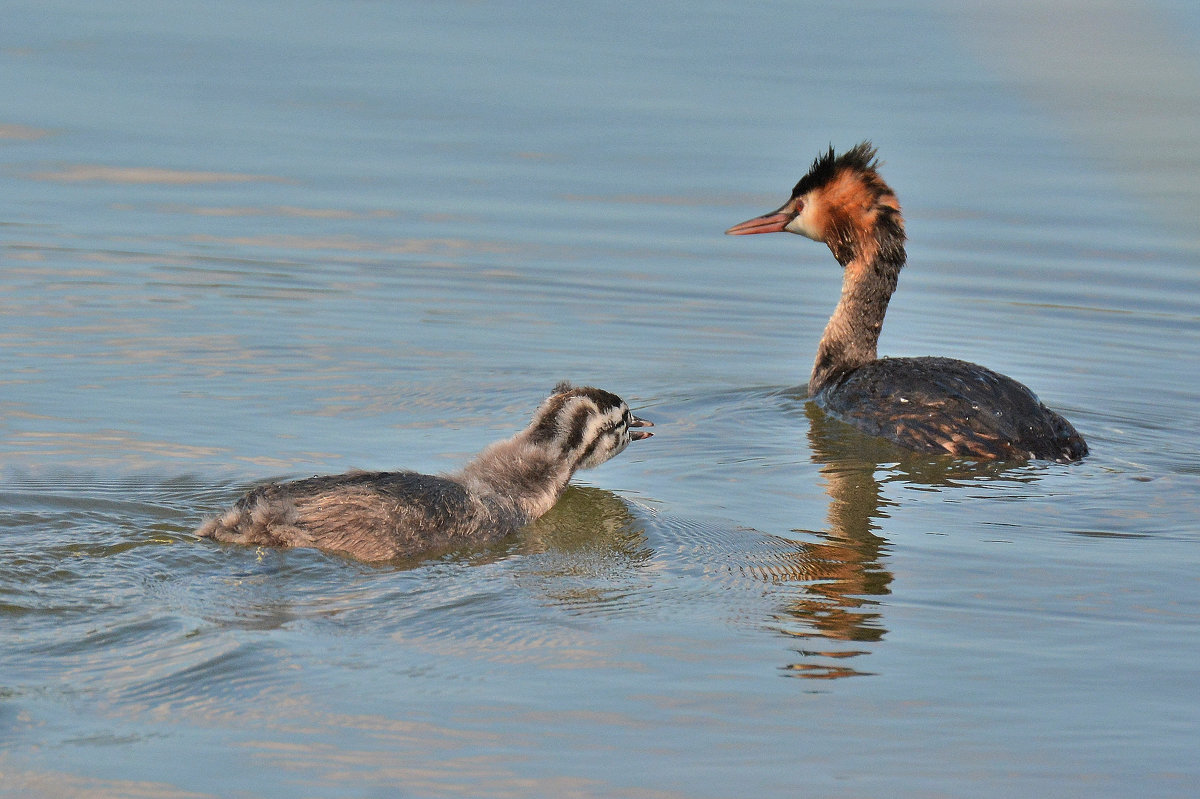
x: 250, y: 240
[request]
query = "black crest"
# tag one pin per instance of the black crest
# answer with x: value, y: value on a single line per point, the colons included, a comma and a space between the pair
x: 826, y: 166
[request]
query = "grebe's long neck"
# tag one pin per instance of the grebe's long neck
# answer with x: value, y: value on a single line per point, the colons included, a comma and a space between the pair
x: 575, y: 428
x: 871, y: 252
x: 520, y: 474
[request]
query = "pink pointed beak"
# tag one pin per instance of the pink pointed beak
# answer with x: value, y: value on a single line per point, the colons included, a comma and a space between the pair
x: 638, y: 435
x: 774, y: 222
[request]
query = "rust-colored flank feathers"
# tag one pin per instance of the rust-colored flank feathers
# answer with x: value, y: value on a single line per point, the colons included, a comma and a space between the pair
x: 924, y: 404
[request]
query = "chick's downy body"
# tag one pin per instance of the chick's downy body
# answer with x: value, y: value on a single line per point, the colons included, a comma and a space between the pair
x: 376, y: 516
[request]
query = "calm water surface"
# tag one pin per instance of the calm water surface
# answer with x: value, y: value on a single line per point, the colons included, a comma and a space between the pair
x: 244, y: 241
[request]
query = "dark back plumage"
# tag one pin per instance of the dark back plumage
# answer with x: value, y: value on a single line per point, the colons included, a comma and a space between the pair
x: 951, y: 406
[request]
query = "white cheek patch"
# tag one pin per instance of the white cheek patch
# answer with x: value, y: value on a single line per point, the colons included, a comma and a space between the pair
x: 804, y: 224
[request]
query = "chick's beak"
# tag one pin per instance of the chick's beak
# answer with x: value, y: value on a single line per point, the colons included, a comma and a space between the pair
x: 638, y: 435
x: 774, y: 222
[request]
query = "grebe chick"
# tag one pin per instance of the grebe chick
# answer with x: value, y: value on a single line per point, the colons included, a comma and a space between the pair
x: 377, y: 516
x: 924, y: 404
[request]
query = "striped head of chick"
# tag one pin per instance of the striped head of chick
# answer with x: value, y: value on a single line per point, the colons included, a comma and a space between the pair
x: 585, y: 426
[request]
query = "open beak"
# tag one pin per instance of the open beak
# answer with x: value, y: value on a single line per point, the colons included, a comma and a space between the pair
x: 774, y: 222
x: 638, y: 435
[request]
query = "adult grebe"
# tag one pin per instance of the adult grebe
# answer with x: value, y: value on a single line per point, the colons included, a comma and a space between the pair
x: 924, y: 404
x: 375, y: 516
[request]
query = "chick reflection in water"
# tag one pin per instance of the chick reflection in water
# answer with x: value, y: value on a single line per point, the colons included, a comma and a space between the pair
x: 587, y: 553
x: 378, y: 516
